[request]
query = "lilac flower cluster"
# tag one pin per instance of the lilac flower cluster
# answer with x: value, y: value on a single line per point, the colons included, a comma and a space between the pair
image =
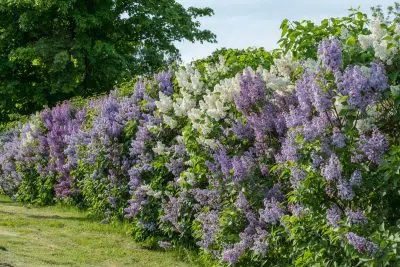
x: 10, y: 149
x: 361, y: 244
x: 374, y: 146
x: 363, y: 86
x: 252, y: 92
x: 333, y: 215
x: 164, y: 79
x: 332, y: 171
x: 272, y: 213
x: 60, y: 122
x: 210, y: 225
x: 330, y: 53
x: 356, y: 217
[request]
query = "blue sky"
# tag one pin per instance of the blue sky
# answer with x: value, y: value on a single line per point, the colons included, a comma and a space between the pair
x: 245, y: 23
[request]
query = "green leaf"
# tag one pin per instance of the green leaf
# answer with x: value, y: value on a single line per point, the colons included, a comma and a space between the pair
x: 351, y: 40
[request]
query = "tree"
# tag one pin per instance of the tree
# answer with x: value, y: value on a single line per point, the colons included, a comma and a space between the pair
x: 51, y: 50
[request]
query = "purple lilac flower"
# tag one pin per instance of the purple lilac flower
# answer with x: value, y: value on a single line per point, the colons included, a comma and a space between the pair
x: 272, y: 212
x: 345, y: 190
x: 332, y: 171
x: 224, y: 161
x: 289, y: 148
x: 141, y: 159
x: 363, y: 89
x: 164, y: 78
x: 207, y: 197
x: 242, y: 166
x: 260, y: 246
x: 378, y: 79
x: 316, y: 127
x: 210, y: 226
x: 317, y: 160
x: 338, y: 139
x: 275, y: 192
x: 252, y: 92
x: 333, y: 215
x: 356, y: 178
x: 264, y: 170
x: 296, y: 209
x: 60, y: 122
x: 356, y: 217
x: 242, y: 131
x: 373, y: 147
x: 297, y: 176
x: 136, y: 204
x: 232, y: 255
x: 263, y: 122
x: 330, y: 53
x: 361, y: 244
x: 356, y: 86
x: 176, y: 166
x: 172, y: 209
x: 241, y: 202
x: 280, y: 124
x: 296, y: 117
x: 303, y: 92
x: 321, y: 100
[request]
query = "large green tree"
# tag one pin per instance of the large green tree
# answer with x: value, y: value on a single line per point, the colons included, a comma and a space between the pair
x: 51, y: 50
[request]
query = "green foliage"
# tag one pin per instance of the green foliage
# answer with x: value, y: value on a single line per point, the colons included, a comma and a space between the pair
x: 302, y: 37
x: 54, y: 50
x: 36, y: 191
x: 238, y: 59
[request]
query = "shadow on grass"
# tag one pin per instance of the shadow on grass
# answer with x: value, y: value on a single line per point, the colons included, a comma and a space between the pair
x: 56, y: 217
x: 51, y: 217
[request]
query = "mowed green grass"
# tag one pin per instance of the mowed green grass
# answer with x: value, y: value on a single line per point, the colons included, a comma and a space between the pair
x: 59, y: 236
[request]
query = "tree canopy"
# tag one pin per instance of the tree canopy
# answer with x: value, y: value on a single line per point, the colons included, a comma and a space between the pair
x: 53, y: 50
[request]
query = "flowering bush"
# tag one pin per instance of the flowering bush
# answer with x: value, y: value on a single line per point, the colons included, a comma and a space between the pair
x: 290, y: 163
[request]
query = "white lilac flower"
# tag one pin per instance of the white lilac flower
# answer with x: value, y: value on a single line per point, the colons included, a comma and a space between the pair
x: 159, y: 149
x: 189, y: 79
x: 170, y: 122
x: 184, y: 104
x: 379, y: 43
x: 285, y: 66
x: 212, y: 106
x: 228, y: 89
x: 366, y: 41
x: 214, y: 70
x: 165, y: 104
x: 344, y: 33
x: 194, y: 115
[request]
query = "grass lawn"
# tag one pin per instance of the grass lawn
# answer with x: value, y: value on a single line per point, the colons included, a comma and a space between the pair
x: 57, y: 236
